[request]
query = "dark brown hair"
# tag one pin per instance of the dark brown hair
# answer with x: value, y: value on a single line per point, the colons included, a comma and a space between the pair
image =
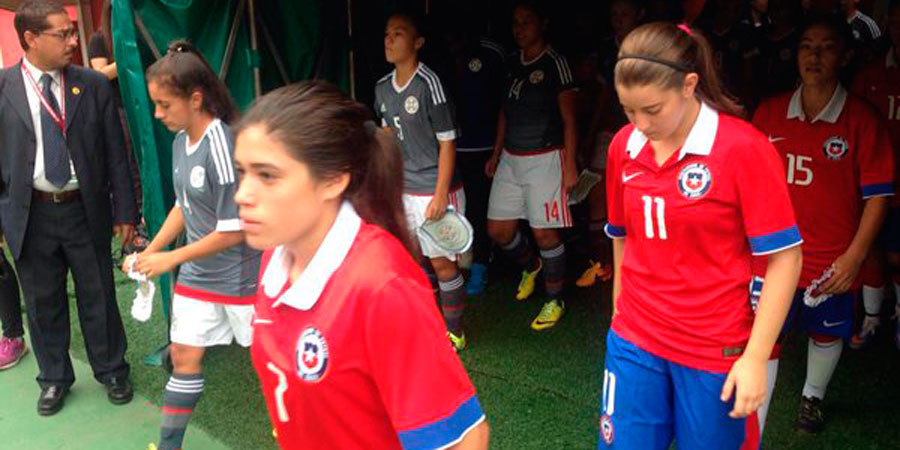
x: 32, y: 15
x: 184, y: 70
x: 333, y: 134
x: 669, y: 53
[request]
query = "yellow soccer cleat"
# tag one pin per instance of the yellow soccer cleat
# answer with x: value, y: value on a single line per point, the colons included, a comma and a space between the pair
x: 458, y: 342
x: 151, y: 447
x: 593, y: 273
x: 526, y: 285
x: 549, y: 315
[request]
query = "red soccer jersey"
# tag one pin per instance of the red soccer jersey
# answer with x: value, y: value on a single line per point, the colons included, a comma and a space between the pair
x: 690, y: 227
x: 879, y: 84
x: 833, y: 164
x: 354, y: 354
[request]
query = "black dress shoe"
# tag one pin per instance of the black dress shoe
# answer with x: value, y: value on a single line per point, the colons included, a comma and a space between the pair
x: 51, y: 400
x: 118, y: 390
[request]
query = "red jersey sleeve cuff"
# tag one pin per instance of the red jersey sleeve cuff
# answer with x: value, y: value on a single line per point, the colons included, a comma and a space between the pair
x: 444, y: 432
x: 775, y: 242
x: 614, y: 232
x: 877, y: 190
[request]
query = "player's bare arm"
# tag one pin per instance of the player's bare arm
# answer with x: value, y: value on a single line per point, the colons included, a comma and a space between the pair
x: 747, y: 379
x: 570, y: 135
x: 846, y: 266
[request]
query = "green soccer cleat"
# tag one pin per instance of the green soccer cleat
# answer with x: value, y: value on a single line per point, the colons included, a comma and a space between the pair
x: 526, y: 285
x: 458, y: 342
x: 549, y: 315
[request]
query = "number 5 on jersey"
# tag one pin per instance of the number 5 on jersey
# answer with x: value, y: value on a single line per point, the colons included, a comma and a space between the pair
x: 659, y: 228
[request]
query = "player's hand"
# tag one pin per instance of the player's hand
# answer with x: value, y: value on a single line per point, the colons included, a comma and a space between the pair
x: 125, y: 232
x: 570, y: 177
x: 437, y: 207
x: 747, y: 381
x: 155, y: 264
x: 490, y: 167
x: 846, y: 268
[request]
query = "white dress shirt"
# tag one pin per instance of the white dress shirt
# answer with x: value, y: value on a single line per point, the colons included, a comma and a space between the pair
x: 34, y: 104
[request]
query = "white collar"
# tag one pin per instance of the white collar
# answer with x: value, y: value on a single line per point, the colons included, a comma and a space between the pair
x: 830, y: 113
x: 699, y: 140
x: 190, y: 148
x: 37, y: 73
x: 400, y: 89
x: 890, y: 61
x: 305, y: 292
x: 853, y: 16
x: 539, y: 56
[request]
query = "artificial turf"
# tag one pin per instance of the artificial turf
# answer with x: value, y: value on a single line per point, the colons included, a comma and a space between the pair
x: 540, y: 390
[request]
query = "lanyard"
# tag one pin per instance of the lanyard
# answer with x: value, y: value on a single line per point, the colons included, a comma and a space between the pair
x: 61, y: 121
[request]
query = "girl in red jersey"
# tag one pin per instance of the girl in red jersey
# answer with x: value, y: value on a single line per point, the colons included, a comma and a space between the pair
x: 693, y: 193
x: 839, y: 175
x: 349, y: 347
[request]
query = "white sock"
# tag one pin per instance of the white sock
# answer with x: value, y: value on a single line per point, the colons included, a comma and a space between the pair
x: 873, y: 297
x: 821, y: 360
x: 771, y: 376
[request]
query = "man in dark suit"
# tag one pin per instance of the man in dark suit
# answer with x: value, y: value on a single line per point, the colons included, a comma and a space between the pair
x: 64, y: 189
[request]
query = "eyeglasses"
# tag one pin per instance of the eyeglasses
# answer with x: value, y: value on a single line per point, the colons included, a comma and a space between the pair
x: 64, y: 35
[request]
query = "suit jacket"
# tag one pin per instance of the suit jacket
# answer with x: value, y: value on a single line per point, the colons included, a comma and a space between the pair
x: 96, y: 145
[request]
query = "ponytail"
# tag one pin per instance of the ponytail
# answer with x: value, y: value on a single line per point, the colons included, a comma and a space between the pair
x: 378, y: 198
x: 662, y: 53
x: 333, y: 134
x: 184, y: 70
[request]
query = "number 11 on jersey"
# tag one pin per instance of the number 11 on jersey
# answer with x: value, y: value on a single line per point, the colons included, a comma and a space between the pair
x: 649, y: 227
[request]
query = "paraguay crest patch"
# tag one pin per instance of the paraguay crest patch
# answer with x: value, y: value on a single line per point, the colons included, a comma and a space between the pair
x: 835, y: 148
x: 694, y: 180
x: 312, y: 355
x: 411, y: 105
x: 536, y: 77
x: 606, y: 429
x: 475, y: 65
x: 198, y: 177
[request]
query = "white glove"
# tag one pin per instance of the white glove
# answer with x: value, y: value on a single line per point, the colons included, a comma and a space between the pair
x: 815, y: 300
x: 142, y: 305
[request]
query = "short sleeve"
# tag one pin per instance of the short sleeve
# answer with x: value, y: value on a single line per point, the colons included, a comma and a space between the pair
x: 440, y: 110
x: 379, y: 114
x: 615, y: 198
x: 562, y: 74
x: 97, y: 47
x: 765, y: 204
x: 220, y: 171
x: 421, y: 381
x: 875, y: 157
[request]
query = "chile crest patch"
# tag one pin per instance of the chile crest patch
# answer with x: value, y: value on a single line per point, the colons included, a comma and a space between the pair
x: 312, y: 355
x: 694, y: 180
x: 606, y: 429
x: 835, y: 148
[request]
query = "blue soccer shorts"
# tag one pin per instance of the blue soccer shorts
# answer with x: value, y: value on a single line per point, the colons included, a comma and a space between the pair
x: 649, y: 401
x: 834, y: 317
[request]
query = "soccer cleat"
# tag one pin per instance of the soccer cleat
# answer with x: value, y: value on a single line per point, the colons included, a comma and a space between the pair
x: 526, y: 285
x: 152, y: 446
x: 458, y: 342
x: 810, y: 418
x: 594, y: 272
x: 11, y: 351
x: 477, y: 279
x: 549, y: 315
x: 866, y: 332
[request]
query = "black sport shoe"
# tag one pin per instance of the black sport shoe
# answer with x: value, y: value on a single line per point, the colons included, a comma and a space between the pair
x: 810, y: 418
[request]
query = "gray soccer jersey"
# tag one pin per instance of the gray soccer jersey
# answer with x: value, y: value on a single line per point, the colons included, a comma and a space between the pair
x: 420, y: 115
x: 531, y: 107
x: 205, y: 183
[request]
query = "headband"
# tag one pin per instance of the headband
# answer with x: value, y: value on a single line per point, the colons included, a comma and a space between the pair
x: 671, y: 64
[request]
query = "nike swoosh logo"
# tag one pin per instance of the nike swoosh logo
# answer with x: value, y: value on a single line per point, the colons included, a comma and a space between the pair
x: 828, y: 324
x: 776, y: 138
x: 625, y: 178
